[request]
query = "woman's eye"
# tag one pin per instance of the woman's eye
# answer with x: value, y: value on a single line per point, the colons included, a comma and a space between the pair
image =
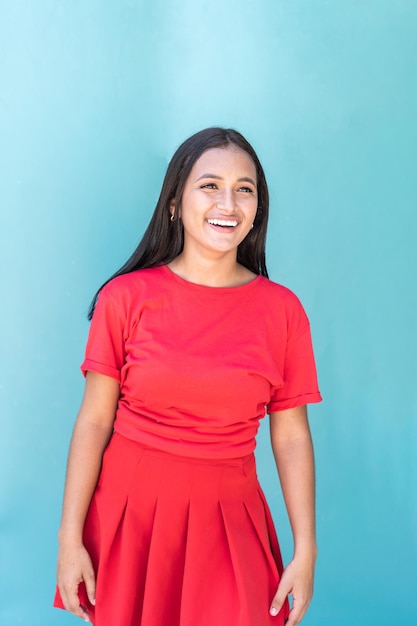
x: 246, y: 189
x: 209, y: 186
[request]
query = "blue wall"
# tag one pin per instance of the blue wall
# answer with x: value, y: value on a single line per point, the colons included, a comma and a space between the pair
x: 95, y: 95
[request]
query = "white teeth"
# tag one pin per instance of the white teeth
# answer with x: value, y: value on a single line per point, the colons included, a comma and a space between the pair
x: 216, y: 222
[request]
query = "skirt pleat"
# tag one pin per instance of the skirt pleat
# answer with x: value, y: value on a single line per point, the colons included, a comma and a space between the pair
x: 178, y: 541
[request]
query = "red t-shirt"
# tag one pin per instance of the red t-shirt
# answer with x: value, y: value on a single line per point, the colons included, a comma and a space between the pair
x: 199, y: 366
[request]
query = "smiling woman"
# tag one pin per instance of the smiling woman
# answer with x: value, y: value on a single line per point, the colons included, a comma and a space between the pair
x: 164, y: 522
x: 217, y: 212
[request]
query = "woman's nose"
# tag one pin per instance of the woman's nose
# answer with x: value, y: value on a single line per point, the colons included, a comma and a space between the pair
x: 225, y: 200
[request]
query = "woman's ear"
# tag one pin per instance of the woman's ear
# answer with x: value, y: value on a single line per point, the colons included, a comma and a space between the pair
x: 172, y: 209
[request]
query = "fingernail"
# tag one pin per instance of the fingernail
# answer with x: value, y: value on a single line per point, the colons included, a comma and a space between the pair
x: 273, y: 611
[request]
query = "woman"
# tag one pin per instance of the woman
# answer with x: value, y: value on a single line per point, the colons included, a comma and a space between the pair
x: 190, y: 344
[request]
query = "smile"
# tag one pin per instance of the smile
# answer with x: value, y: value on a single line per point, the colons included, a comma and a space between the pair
x: 224, y: 223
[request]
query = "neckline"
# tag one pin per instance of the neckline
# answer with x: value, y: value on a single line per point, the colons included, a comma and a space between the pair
x: 208, y: 288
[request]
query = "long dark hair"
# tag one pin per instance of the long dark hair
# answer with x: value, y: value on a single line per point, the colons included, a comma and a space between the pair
x: 164, y: 240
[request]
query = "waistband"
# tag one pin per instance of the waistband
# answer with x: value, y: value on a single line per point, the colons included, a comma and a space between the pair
x: 172, y: 456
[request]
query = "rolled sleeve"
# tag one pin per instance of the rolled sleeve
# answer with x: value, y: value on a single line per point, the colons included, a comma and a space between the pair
x: 299, y: 376
x: 105, y: 350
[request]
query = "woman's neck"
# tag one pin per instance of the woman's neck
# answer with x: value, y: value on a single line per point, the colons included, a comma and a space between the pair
x: 224, y: 272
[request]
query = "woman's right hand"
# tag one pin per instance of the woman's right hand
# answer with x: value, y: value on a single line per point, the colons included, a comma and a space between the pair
x: 92, y: 431
x: 74, y: 567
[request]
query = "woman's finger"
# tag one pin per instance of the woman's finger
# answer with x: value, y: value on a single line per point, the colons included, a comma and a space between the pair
x: 72, y: 604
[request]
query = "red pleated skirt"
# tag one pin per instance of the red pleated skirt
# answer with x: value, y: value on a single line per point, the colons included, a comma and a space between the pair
x: 179, y: 541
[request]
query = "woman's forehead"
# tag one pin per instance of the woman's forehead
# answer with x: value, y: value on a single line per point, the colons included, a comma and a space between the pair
x: 230, y: 159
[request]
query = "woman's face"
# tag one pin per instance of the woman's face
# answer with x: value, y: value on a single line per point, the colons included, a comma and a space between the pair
x: 219, y: 202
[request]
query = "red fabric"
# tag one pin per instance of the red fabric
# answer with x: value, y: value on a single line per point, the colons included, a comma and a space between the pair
x: 180, y: 541
x: 198, y: 366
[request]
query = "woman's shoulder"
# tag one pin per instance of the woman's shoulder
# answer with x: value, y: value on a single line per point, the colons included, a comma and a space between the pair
x: 135, y: 280
x: 128, y: 289
x: 282, y: 302
x: 278, y: 291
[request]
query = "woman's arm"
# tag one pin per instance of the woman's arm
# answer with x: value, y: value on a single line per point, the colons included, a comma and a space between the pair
x: 293, y: 452
x: 92, y: 431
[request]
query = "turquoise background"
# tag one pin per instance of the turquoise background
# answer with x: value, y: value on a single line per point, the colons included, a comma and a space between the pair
x: 95, y: 96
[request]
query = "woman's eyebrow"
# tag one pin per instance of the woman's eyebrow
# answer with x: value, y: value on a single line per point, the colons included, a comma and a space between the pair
x: 243, y: 179
x: 208, y: 175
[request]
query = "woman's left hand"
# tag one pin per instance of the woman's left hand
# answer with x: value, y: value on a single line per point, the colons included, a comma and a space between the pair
x: 298, y: 581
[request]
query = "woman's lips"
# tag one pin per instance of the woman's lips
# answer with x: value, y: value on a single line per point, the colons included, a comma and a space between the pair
x: 222, y: 223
